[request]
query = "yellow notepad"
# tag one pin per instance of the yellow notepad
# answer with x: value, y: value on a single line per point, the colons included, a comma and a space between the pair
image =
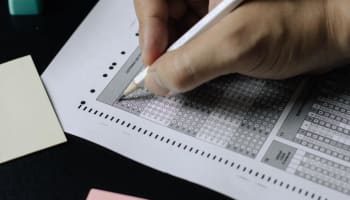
x: 28, y: 122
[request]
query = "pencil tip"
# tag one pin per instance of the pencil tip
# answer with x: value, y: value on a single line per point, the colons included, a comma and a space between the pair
x: 130, y: 89
x: 121, y: 98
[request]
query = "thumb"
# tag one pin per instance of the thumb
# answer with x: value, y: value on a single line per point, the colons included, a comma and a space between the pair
x: 188, y: 67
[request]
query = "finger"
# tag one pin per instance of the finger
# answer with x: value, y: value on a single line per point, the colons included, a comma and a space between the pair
x: 190, y: 66
x: 233, y: 45
x: 153, y: 19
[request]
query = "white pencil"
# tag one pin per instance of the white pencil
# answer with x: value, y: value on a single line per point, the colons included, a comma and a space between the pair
x: 219, y: 12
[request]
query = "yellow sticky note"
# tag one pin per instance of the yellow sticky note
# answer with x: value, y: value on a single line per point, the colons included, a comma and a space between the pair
x: 28, y: 122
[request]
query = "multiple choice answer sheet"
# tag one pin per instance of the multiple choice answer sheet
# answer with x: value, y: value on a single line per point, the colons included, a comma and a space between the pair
x: 243, y: 137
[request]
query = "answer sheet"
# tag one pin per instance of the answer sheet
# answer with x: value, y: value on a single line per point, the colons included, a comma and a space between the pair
x: 243, y: 137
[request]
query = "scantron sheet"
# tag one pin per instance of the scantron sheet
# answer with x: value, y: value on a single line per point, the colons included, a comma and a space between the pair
x: 243, y: 137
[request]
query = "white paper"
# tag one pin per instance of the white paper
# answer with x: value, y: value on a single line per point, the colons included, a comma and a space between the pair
x: 242, y: 137
x: 28, y: 122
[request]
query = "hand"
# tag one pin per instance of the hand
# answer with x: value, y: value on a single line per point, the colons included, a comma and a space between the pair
x: 270, y: 39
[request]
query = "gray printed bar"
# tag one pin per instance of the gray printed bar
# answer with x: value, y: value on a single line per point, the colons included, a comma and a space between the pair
x: 122, y: 79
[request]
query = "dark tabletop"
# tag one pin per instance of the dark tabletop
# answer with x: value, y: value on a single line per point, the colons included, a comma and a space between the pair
x: 68, y: 171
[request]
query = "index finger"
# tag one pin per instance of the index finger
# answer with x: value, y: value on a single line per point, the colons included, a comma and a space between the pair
x: 153, y: 19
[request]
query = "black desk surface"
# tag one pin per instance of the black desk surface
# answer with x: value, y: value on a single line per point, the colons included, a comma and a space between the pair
x: 68, y: 171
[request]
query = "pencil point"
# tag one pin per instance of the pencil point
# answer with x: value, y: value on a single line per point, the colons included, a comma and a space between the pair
x: 121, y: 98
x: 130, y: 89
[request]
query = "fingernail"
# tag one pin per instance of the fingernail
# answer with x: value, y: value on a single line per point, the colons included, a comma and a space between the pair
x: 156, y: 85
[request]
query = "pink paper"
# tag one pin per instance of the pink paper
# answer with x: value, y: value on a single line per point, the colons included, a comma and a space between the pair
x: 95, y: 194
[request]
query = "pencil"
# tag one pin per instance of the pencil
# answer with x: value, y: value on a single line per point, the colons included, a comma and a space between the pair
x: 219, y: 12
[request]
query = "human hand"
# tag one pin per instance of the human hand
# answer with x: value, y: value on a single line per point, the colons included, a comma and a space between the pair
x: 270, y: 39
